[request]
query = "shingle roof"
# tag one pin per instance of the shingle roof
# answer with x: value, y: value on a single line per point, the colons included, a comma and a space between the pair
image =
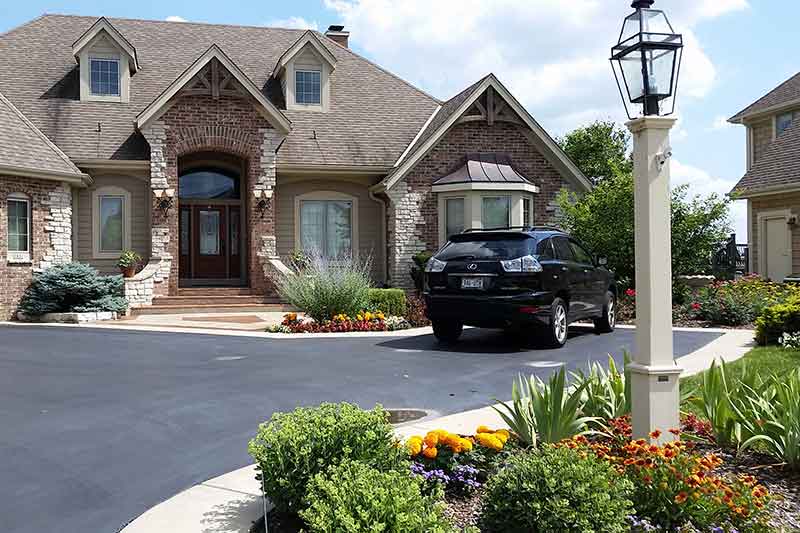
x: 778, y: 167
x: 484, y: 167
x: 23, y: 146
x: 373, y: 114
x: 784, y: 93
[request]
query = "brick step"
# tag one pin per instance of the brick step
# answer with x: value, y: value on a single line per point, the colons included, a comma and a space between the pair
x: 215, y: 291
x: 162, y: 309
x: 205, y: 300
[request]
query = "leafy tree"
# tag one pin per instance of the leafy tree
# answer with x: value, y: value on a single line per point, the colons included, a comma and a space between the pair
x: 600, y: 149
x: 603, y: 219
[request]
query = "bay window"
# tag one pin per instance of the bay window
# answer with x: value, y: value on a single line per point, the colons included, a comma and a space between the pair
x: 454, y: 215
x: 496, y: 211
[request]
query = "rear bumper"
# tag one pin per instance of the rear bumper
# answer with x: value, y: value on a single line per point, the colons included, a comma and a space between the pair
x: 491, y: 311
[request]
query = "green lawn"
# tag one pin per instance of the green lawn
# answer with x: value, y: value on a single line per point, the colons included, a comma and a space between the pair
x: 766, y: 360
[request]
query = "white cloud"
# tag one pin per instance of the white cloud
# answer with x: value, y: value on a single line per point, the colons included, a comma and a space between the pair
x: 294, y: 22
x: 702, y: 183
x: 175, y: 18
x: 721, y: 123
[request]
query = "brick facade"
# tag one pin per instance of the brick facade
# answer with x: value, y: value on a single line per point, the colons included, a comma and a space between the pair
x: 51, y: 235
x: 412, y: 217
x: 229, y: 125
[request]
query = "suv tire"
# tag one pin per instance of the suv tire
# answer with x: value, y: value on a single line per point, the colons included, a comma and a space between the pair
x: 447, y: 331
x: 559, y: 324
x: 608, y: 320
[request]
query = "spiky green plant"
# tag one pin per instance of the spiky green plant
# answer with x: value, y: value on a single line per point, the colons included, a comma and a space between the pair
x: 546, y: 412
x: 607, y: 394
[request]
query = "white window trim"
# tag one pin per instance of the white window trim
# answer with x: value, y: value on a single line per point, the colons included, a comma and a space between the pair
x: 473, y: 207
x: 85, y: 57
x: 97, y: 194
x: 308, y: 70
x: 328, y: 196
x: 762, y: 218
x: 20, y: 257
x: 324, y: 83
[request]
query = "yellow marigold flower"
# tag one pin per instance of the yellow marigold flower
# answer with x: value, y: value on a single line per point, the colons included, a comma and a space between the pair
x: 466, y: 445
x: 431, y: 439
x: 489, y: 440
x: 430, y: 452
x: 483, y: 429
x: 414, y: 446
x: 501, y: 437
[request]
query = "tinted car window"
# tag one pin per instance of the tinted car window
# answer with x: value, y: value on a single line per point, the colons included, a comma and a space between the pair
x: 484, y: 248
x: 545, y: 250
x: 563, y: 250
x: 581, y: 255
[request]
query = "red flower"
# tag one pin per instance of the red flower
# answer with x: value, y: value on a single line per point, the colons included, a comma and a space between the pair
x: 696, y: 306
x: 630, y: 292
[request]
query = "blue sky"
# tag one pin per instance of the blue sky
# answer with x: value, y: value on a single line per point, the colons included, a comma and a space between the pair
x: 553, y: 59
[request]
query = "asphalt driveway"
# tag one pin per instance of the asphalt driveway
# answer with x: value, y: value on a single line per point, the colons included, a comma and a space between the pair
x: 98, y: 425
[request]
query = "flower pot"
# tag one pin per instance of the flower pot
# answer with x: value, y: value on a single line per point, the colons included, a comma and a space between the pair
x: 128, y: 271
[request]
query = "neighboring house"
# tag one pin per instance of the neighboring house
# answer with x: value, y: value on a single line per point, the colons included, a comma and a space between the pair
x: 771, y: 184
x: 214, y: 151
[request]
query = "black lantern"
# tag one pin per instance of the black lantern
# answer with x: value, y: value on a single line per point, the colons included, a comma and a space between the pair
x: 648, y: 57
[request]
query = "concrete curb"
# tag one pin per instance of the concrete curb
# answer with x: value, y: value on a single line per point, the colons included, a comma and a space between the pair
x: 232, y: 502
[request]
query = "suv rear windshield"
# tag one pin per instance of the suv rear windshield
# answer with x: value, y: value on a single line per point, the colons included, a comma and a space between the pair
x: 486, y: 247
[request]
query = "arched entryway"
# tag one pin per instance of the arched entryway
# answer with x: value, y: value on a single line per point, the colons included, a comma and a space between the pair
x: 211, y: 226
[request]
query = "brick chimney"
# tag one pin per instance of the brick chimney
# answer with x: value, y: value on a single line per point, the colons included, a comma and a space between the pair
x: 336, y: 33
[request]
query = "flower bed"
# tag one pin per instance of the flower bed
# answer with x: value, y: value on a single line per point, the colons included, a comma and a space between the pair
x: 341, y: 323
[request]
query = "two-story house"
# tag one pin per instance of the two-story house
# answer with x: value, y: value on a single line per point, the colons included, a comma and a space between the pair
x: 771, y: 184
x: 214, y: 151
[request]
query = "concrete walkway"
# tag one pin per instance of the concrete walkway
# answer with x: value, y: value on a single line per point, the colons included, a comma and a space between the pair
x: 232, y: 502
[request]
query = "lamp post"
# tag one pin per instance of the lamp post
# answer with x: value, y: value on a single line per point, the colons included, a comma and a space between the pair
x: 646, y: 63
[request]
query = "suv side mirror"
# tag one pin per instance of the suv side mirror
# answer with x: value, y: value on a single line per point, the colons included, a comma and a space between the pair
x: 602, y: 261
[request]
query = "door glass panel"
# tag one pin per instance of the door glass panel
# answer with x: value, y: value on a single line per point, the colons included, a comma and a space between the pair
x: 495, y: 211
x: 208, y: 183
x: 209, y: 232
x: 185, y: 217
x: 111, y: 223
x: 454, y: 212
x: 234, y: 232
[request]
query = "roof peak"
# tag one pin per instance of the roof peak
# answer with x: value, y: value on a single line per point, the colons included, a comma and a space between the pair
x: 188, y: 22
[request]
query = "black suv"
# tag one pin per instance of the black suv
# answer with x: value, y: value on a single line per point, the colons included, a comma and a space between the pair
x: 517, y: 278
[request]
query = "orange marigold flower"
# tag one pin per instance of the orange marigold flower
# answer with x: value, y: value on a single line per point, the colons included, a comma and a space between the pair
x: 655, y: 434
x: 681, y: 497
x: 430, y: 452
x: 483, y: 429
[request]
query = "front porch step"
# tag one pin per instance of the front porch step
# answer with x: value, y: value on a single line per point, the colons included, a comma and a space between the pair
x: 219, y: 301
x: 199, y: 301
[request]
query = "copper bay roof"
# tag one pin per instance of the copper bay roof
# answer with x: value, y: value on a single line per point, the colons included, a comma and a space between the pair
x: 487, y: 168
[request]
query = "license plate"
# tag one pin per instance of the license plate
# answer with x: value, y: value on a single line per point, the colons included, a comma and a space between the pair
x: 471, y: 283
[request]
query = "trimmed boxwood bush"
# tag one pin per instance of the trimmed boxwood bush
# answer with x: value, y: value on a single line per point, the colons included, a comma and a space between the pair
x: 556, y: 489
x: 291, y: 448
x: 390, y: 301
x: 73, y: 287
x: 777, y: 320
x: 353, y: 497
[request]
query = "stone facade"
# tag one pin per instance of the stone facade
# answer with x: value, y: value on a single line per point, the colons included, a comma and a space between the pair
x: 412, y: 216
x: 51, y: 235
x: 229, y: 125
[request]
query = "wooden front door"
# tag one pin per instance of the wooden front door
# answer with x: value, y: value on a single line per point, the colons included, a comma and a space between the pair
x: 210, y: 242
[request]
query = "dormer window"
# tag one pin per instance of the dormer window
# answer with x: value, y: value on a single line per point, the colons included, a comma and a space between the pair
x: 307, y: 87
x: 104, y: 77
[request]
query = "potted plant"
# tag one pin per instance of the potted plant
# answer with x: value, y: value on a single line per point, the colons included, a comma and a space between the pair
x: 128, y: 262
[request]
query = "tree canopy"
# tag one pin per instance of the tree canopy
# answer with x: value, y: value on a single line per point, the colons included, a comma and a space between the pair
x: 600, y: 149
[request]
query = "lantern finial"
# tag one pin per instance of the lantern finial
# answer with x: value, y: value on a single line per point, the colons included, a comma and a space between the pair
x: 643, y: 4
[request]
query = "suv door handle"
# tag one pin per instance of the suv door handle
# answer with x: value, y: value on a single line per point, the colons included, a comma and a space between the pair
x: 564, y: 269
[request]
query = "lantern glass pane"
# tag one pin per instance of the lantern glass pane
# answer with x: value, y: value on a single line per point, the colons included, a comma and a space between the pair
x: 654, y: 21
x: 631, y: 66
x: 630, y: 27
x: 659, y: 71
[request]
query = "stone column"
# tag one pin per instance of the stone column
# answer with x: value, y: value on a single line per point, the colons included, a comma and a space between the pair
x: 654, y: 374
x: 58, y: 225
x: 163, y: 229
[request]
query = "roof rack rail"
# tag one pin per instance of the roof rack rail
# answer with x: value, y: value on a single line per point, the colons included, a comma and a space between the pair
x: 522, y: 228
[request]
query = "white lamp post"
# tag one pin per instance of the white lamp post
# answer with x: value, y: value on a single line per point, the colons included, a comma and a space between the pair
x: 648, y: 57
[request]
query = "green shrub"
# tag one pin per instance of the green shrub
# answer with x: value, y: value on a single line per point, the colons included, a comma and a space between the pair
x: 777, y: 320
x: 418, y: 268
x: 73, y: 287
x: 353, y: 497
x: 391, y: 301
x: 326, y: 287
x: 556, y: 489
x: 291, y: 448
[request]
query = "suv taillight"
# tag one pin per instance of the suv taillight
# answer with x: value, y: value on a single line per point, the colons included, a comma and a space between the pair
x: 526, y: 263
x: 434, y: 265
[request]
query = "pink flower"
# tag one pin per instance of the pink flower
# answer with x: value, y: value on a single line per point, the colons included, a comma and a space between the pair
x: 630, y: 292
x: 695, y: 306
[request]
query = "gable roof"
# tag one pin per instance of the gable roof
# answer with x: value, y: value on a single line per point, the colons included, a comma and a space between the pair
x: 160, y: 104
x: 454, y: 108
x: 784, y: 95
x: 308, y: 38
x: 25, y: 151
x: 372, y: 118
x: 778, y: 168
x: 103, y: 25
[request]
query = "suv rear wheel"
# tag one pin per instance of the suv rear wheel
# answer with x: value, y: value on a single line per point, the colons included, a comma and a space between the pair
x: 447, y: 330
x: 559, y: 324
x: 607, y: 321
